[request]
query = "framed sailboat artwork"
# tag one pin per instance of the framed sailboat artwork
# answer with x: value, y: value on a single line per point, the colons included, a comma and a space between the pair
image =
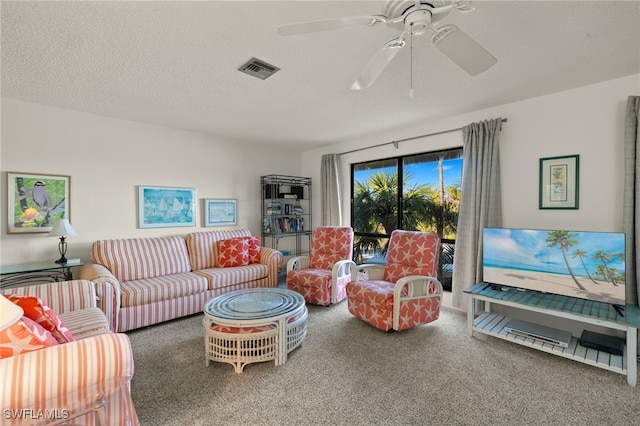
x: 166, y: 207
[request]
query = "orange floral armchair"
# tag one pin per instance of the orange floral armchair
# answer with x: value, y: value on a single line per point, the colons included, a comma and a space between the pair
x: 403, y: 293
x: 321, y: 277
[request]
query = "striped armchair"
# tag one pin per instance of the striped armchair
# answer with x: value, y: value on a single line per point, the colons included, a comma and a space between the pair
x: 87, y: 379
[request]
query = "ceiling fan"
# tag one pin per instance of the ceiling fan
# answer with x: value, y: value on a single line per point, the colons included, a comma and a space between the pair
x: 411, y: 17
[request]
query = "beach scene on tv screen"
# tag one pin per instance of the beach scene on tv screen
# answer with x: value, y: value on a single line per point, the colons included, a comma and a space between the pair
x: 587, y: 265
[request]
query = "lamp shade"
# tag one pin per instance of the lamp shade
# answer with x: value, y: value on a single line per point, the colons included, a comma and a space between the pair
x: 62, y: 228
x: 9, y: 312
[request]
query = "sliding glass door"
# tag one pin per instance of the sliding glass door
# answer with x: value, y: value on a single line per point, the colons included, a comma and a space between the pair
x: 418, y: 192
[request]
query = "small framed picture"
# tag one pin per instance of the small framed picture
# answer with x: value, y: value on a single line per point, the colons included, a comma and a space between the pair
x: 166, y: 207
x: 219, y: 212
x: 35, y: 201
x: 559, y: 182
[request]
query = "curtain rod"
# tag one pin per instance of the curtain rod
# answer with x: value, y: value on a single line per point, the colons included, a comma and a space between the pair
x: 395, y: 143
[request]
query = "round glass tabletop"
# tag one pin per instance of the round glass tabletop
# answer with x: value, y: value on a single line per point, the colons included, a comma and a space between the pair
x: 255, y: 303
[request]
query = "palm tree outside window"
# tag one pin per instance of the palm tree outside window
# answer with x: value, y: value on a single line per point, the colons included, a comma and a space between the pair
x: 417, y: 192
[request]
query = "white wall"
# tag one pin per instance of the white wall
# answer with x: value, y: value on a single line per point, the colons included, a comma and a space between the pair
x: 588, y: 121
x: 108, y: 158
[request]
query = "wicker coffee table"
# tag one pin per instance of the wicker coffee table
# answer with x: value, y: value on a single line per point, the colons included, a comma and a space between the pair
x: 254, y: 325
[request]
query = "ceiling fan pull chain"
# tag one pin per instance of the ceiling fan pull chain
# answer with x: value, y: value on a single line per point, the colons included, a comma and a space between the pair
x: 411, y: 63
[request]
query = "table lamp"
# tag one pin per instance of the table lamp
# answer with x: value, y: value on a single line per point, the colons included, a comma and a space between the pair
x: 9, y: 313
x: 62, y: 228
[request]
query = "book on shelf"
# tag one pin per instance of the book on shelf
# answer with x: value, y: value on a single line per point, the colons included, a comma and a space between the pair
x: 286, y: 209
x: 274, y: 208
x: 283, y: 225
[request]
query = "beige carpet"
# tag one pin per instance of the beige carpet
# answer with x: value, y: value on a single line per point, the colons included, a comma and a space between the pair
x: 348, y: 373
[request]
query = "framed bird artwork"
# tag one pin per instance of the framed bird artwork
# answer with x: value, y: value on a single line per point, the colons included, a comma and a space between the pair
x: 36, y: 201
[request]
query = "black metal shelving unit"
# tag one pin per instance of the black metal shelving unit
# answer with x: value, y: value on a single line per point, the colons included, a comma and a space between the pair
x: 286, y: 214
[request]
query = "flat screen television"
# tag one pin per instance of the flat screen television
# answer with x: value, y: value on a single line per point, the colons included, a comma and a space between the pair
x: 583, y: 264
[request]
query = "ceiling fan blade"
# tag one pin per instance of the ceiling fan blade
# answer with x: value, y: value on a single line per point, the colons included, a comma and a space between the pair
x: 378, y: 63
x: 329, y: 24
x: 462, y: 49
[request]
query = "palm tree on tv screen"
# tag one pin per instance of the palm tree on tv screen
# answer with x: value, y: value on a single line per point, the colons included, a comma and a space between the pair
x: 605, y: 256
x: 581, y: 254
x: 565, y: 240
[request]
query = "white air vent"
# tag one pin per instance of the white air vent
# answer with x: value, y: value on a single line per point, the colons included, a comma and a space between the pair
x: 258, y: 68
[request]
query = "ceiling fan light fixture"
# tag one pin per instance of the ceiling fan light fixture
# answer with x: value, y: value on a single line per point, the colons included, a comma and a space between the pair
x: 419, y: 21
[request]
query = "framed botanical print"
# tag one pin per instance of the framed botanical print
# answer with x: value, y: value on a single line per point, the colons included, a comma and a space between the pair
x: 559, y: 185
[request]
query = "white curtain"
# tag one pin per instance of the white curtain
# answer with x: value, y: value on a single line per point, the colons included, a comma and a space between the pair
x: 330, y: 188
x: 480, y: 204
x: 631, y: 209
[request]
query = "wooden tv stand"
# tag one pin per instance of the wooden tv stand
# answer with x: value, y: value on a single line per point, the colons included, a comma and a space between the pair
x: 586, y: 311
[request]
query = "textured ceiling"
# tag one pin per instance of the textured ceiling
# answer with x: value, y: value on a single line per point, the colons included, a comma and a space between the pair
x: 175, y: 63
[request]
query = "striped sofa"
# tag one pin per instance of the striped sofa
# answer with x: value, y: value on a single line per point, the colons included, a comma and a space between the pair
x: 64, y: 380
x: 144, y: 281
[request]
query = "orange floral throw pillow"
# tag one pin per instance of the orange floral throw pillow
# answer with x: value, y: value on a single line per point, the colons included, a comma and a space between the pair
x: 254, y: 249
x: 233, y: 252
x: 25, y: 335
x: 35, y: 309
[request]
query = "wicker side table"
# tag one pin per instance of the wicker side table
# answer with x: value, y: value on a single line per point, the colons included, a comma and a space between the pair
x: 254, y: 325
